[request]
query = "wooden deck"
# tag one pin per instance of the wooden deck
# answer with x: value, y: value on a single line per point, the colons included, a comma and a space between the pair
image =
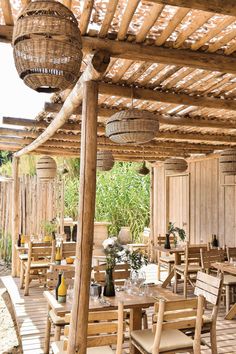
x: 31, y: 315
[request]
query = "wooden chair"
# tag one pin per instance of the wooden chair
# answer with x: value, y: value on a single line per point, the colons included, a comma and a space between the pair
x: 210, y: 287
x: 231, y: 253
x: 39, y: 257
x: 166, y: 335
x: 218, y: 255
x: 105, y: 328
x: 68, y: 249
x: 121, y: 272
x: 57, y: 322
x: 164, y: 260
x: 192, y: 264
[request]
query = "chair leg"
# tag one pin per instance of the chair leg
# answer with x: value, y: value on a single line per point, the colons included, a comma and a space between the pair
x: 227, y: 298
x: 158, y: 271
x: 21, y: 275
x: 185, y: 286
x: 213, y: 339
x: 27, y: 280
x: 57, y: 334
x: 47, y: 336
x: 175, y: 288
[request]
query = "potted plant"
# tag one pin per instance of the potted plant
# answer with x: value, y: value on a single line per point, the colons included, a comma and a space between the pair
x: 177, y: 232
x: 49, y: 228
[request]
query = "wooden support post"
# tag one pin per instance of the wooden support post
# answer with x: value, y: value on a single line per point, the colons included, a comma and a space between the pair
x: 15, y: 212
x: 79, y: 315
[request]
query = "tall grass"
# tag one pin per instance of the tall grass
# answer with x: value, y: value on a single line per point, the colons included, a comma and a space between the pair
x: 122, y: 198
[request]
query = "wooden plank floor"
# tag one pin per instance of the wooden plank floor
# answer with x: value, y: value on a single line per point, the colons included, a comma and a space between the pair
x: 31, y: 315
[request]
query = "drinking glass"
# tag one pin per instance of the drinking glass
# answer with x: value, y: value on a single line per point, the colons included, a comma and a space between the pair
x: 128, y: 286
x: 95, y: 291
x: 70, y: 292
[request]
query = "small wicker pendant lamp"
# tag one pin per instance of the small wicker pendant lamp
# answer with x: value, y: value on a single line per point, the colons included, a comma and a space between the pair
x: 174, y: 165
x: 47, y: 46
x: 105, y: 160
x: 132, y: 126
x: 46, y: 168
x: 227, y: 162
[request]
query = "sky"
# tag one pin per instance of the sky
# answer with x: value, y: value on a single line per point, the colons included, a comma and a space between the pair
x: 16, y: 99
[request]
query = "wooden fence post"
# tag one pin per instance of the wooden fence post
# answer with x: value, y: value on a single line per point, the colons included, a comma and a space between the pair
x: 79, y: 316
x: 15, y: 211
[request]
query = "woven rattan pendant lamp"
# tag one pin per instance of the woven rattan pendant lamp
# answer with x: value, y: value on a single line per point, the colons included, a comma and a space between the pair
x: 227, y: 162
x: 175, y: 165
x: 46, y: 168
x: 105, y: 160
x: 47, y: 46
x: 132, y: 126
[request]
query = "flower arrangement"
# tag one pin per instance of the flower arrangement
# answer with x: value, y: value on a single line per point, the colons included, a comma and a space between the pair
x: 176, y: 231
x: 49, y: 226
x: 117, y: 253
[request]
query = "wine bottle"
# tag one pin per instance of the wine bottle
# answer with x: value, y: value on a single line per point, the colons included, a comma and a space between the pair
x: 22, y: 241
x: 19, y: 240
x: 58, y: 284
x: 58, y: 256
x: 62, y: 290
x: 215, y: 242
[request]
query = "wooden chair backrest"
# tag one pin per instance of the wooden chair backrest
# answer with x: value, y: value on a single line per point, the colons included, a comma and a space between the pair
x: 192, y: 253
x: 52, y: 278
x: 231, y: 252
x: 178, y: 314
x: 209, y: 286
x: 210, y: 256
x: 161, y: 239
x: 39, y: 250
x: 68, y: 249
x: 120, y: 273
x: 104, y: 328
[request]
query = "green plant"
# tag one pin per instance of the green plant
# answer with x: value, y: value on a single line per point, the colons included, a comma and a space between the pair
x: 174, y: 230
x: 49, y: 226
x: 137, y: 260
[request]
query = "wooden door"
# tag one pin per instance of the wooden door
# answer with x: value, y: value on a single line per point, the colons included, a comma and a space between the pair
x: 177, y: 201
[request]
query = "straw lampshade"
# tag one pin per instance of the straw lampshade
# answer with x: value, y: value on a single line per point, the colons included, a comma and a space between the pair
x: 227, y: 162
x: 174, y: 165
x: 132, y: 127
x: 46, y: 168
x: 105, y: 160
x: 47, y: 46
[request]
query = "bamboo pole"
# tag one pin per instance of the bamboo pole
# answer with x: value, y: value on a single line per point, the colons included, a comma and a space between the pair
x: 15, y: 211
x: 79, y: 318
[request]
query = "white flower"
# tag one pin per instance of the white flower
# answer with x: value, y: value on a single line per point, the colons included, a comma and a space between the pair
x: 109, y: 242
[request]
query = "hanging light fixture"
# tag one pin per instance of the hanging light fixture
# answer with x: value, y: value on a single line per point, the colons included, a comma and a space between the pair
x: 132, y: 126
x: 227, y: 162
x: 143, y: 170
x: 105, y: 160
x: 175, y: 165
x: 47, y: 46
x: 46, y: 168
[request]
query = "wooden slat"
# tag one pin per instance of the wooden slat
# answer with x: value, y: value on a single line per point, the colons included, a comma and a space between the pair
x: 110, y: 12
x: 126, y: 18
x: 85, y: 16
x: 7, y: 12
x: 149, y: 21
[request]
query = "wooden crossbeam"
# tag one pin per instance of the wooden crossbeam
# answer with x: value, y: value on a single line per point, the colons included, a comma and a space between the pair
x: 168, y: 97
x: 7, y: 12
x: 224, y: 7
x: 153, y: 54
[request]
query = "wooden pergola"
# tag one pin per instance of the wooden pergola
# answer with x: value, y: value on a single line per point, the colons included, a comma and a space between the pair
x: 174, y: 57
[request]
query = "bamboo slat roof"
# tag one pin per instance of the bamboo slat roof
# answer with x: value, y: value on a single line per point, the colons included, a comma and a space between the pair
x: 178, y: 62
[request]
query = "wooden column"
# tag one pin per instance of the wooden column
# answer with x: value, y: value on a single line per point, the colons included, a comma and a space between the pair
x: 79, y: 316
x: 151, y: 237
x: 15, y: 212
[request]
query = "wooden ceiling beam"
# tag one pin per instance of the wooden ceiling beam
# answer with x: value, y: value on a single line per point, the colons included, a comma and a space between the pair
x: 155, y: 54
x: 148, y: 53
x: 167, y: 97
x: 225, y: 7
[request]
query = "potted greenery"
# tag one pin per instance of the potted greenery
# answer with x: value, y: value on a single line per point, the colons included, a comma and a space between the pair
x: 49, y: 228
x: 177, y: 232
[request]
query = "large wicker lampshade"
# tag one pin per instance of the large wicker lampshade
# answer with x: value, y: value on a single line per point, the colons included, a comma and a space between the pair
x: 47, y: 46
x: 174, y: 165
x: 46, y: 168
x: 105, y: 160
x: 132, y: 127
x: 227, y: 162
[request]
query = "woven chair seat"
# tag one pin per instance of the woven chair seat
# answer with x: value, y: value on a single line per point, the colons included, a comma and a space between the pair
x: 168, y: 259
x: 57, y: 320
x: 57, y: 348
x: 192, y: 268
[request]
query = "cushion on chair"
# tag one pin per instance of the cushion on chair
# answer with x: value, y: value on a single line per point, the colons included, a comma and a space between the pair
x: 167, y: 259
x: 23, y: 257
x: 39, y: 264
x: 57, y: 320
x: 229, y: 279
x: 192, y: 268
x: 57, y: 348
x: 170, y: 340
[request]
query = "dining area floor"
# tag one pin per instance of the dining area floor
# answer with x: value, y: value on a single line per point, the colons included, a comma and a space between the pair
x: 31, y: 313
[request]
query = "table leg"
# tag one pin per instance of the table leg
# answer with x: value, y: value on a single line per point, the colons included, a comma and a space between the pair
x: 135, y: 323
x: 168, y: 279
x: 177, y: 262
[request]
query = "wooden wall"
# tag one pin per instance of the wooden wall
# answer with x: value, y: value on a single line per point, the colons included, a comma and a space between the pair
x: 203, y: 201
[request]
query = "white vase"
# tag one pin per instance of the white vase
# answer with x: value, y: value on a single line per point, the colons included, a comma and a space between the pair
x: 124, y: 235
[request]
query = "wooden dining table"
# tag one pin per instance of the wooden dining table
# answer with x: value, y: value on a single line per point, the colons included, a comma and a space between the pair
x: 177, y: 251
x: 135, y: 303
x: 227, y: 267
